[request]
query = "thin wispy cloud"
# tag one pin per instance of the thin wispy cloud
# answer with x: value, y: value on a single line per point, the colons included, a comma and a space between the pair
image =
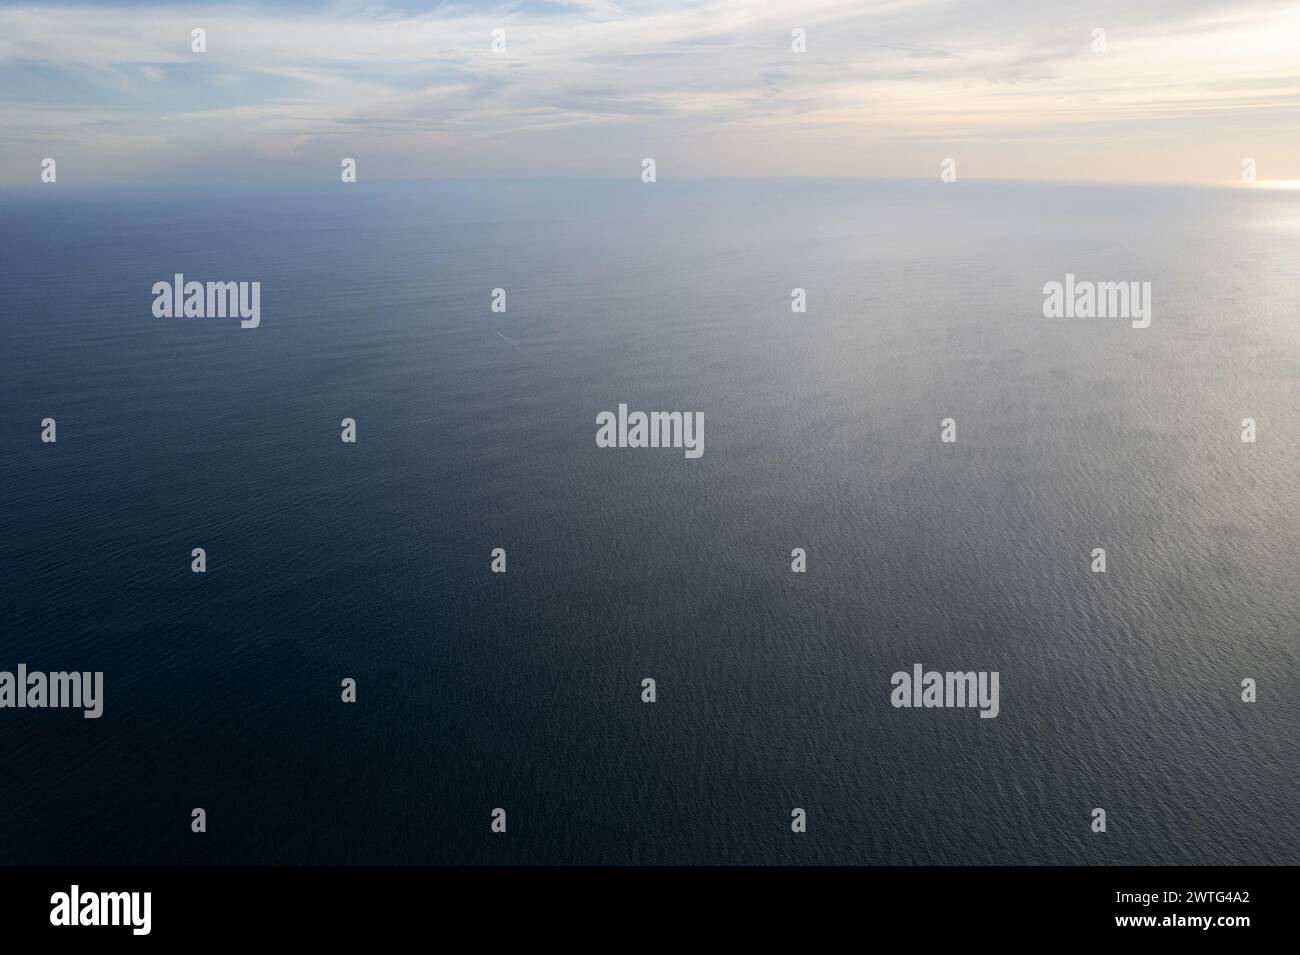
x: 1013, y: 89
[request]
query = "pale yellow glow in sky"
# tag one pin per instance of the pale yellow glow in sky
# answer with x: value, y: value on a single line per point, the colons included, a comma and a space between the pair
x: 1175, y: 90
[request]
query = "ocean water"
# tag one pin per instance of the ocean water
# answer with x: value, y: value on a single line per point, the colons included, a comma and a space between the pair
x: 477, y: 430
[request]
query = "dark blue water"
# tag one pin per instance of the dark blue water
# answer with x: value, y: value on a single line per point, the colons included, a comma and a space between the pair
x: 476, y: 430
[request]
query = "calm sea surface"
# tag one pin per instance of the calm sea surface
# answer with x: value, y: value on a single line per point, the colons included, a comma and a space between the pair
x: 477, y: 430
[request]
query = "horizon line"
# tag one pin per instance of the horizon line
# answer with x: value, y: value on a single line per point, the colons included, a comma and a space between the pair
x: 1265, y: 184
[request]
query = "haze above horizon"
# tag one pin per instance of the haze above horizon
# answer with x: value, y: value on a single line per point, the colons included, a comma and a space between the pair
x: 1179, y: 91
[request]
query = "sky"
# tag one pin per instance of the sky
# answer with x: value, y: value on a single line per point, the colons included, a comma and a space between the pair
x: 1184, y: 90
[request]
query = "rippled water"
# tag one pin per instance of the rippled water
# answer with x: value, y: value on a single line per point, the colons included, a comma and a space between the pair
x: 476, y: 430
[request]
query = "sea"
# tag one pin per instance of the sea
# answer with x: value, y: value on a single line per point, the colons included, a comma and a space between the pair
x: 475, y: 429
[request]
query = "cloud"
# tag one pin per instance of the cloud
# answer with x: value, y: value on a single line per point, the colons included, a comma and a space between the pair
x: 588, y: 87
